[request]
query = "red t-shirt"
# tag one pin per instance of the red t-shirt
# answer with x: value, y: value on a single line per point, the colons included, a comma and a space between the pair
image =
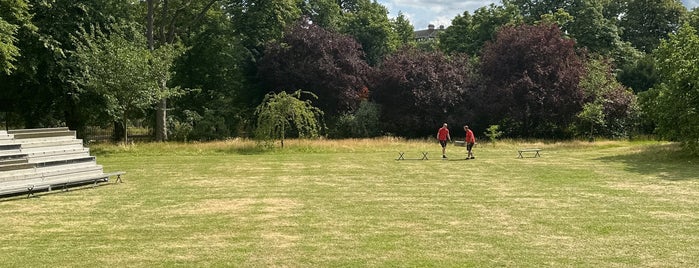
x: 443, y: 134
x: 469, y: 137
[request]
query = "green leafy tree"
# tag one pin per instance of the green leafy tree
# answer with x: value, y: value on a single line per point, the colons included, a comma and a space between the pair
x: 280, y: 113
x: 368, y: 23
x: 693, y: 18
x: 324, y: 13
x: 405, y: 30
x: 39, y: 92
x: 123, y: 72
x: 673, y: 104
x: 220, y: 102
x: 610, y: 108
x: 13, y: 15
x: 468, y: 33
x: 646, y: 22
x: 493, y: 133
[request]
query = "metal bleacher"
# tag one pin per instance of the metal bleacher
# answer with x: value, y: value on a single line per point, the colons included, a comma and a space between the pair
x: 44, y: 159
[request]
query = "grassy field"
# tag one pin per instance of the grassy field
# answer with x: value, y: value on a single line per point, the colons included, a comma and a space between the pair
x: 349, y: 203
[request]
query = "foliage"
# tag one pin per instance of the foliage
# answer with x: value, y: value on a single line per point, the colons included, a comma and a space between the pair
x: 324, y: 13
x: 214, y: 69
x: 259, y: 22
x: 674, y: 102
x: 404, y: 30
x: 281, y: 113
x: 367, y: 21
x: 363, y: 123
x: 609, y: 106
x: 467, y: 34
x: 532, y: 77
x: 646, y: 22
x: 122, y: 71
x: 493, y: 133
x: 693, y: 18
x: 13, y: 15
x: 327, y: 64
x: 419, y: 90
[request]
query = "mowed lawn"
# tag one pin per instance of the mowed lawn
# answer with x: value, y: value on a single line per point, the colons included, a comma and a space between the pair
x: 349, y: 203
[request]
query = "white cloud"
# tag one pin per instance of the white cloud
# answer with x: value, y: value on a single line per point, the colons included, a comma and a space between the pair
x: 441, y: 12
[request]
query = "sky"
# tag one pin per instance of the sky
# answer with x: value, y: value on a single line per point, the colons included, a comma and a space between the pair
x: 440, y: 12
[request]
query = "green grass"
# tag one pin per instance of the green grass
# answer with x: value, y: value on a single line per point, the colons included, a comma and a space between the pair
x: 350, y: 203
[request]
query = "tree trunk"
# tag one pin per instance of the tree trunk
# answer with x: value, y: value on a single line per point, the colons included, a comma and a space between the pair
x: 161, y: 113
x: 161, y: 121
x: 126, y: 129
x: 149, y: 24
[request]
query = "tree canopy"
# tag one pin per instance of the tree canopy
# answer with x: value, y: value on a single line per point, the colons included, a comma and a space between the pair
x: 673, y: 103
x: 536, y: 68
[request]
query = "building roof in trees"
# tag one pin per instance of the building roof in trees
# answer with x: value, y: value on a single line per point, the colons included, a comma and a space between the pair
x: 429, y: 34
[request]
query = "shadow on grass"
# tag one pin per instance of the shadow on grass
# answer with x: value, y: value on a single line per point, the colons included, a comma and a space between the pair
x: 667, y: 162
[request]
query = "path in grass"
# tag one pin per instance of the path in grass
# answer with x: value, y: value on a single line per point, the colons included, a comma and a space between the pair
x: 349, y: 203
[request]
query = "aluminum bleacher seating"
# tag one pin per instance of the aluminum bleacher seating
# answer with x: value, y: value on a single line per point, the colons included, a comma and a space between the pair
x: 43, y: 159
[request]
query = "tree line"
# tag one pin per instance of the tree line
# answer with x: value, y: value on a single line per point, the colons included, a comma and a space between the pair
x: 199, y: 69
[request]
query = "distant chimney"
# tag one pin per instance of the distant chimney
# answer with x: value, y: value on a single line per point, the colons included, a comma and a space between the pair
x: 431, y: 26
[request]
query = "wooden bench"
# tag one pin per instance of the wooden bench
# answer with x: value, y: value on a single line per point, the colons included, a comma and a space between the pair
x: 401, y: 156
x: 529, y: 150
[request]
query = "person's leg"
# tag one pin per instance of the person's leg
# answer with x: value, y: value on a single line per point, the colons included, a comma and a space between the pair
x: 444, y: 148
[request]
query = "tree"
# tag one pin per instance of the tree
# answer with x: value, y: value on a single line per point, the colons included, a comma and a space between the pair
x: 673, y: 103
x: 280, y: 113
x: 532, y: 77
x: 324, y: 13
x: 609, y: 106
x: 260, y: 22
x: 404, y: 30
x: 220, y: 102
x: 368, y: 23
x: 419, y: 90
x: 13, y: 15
x: 468, y: 33
x: 38, y: 93
x: 123, y: 71
x: 174, y: 17
x: 693, y: 18
x: 646, y: 22
x: 327, y: 64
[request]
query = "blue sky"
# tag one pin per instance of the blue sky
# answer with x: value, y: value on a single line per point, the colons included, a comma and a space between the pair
x: 440, y: 12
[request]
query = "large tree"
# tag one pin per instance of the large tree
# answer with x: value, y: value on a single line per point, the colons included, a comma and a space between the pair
x: 610, y: 108
x: 419, y: 90
x: 532, y: 75
x: 468, y: 33
x: 673, y: 104
x: 122, y: 71
x: 328, y: 64
x: 646, y: 22
x: 38, y: 93
x: 13, y: 15
x: 368, y: 23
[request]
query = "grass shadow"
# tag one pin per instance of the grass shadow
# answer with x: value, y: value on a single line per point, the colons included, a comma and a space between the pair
x: 666, y: 161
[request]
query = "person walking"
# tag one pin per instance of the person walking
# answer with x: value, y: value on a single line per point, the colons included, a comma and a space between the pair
x: 443, y: 136
x: 470, y: 141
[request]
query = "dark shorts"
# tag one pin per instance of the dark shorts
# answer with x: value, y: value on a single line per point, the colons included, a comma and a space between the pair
x: 443, y: 143
x: 469, y: 146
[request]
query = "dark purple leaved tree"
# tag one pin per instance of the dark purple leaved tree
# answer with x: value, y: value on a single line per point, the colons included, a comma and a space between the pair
x: 419, y: 90
x: 310, y: 58
x: 532, y: 76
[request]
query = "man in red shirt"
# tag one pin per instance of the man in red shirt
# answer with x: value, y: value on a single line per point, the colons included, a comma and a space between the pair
x: 443, y: 136
x: 470, y: 141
